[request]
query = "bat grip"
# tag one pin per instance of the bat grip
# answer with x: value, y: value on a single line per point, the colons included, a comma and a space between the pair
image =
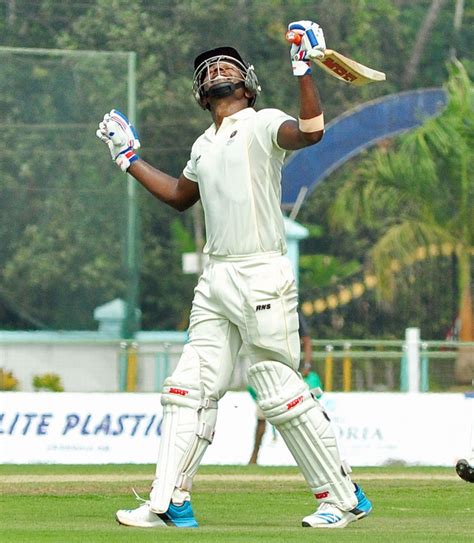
x: 293, y: 37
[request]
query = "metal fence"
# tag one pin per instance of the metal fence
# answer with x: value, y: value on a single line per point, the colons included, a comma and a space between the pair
x: 86, y: 362
x: 383, y: 366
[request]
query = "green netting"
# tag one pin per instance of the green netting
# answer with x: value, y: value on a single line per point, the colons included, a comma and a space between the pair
x: 63, y: 204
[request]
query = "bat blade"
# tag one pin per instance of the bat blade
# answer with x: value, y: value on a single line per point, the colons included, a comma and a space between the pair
x: 348, y: 70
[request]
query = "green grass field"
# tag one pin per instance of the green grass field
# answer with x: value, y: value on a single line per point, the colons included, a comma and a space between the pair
x: 69, y: 504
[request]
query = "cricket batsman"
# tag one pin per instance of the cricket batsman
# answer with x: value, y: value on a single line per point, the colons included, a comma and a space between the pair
x: 246, y: 294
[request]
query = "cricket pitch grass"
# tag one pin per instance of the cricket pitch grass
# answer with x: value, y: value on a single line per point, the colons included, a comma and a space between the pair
x: 67, y: 504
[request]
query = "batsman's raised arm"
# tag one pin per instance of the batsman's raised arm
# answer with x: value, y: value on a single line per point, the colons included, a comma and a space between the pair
x: 179, y: 193
x: 122, y: 140
x: 310, y: 126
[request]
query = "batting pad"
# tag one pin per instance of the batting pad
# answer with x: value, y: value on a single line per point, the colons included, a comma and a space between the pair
x: 187, y: 429
x: 287, y: 403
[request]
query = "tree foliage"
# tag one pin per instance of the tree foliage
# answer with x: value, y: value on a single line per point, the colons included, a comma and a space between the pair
x: 62, y: 247
x: 419, y: 195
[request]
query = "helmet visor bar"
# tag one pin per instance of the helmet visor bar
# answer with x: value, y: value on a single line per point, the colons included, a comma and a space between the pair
x: 216, y: 70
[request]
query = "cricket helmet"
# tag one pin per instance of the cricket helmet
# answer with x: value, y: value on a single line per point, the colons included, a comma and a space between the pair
x: 224, y: 85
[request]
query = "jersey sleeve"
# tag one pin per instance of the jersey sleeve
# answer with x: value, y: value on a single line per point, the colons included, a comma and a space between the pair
x: 268, y: 123
x: 190, y: 171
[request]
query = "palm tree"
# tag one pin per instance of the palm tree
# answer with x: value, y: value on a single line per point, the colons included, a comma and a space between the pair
x: 421, y: 195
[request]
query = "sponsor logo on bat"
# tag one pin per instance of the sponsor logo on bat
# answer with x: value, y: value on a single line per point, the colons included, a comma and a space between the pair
x: 339, y: 70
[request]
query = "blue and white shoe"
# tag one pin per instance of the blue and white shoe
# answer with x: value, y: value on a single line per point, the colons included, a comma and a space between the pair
x: 329, y: 515
x: 178, y: 516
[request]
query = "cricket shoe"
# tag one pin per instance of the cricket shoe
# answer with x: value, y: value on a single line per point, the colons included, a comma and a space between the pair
x: 329, y: 515
x: 465, y: 470
x: 179, y: 516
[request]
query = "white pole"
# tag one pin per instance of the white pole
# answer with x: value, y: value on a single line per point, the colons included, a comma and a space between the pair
x: 412, y: 341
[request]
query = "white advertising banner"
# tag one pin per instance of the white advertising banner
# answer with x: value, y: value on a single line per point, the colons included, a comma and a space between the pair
x: 76, y: 428
x: 372, y: 428
x: 414, y: 428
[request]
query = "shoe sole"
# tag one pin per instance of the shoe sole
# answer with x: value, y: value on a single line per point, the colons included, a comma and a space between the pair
x: 341, y: 524
x: 166, y: 523
x: 140, y: 525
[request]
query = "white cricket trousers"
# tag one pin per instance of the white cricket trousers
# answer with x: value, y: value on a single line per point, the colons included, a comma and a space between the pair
x: 252, y: 302
x: 240, y: 300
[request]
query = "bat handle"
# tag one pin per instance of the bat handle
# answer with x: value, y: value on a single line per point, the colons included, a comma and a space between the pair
x: 293, y: 37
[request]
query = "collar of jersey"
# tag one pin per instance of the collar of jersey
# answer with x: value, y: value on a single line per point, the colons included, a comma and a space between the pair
x: 240, y: 115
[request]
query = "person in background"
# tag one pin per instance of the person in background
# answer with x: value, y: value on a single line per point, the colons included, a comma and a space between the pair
x: 307, y: 370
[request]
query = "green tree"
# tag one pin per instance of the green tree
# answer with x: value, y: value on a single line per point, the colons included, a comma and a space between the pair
x: 169, y: 119
x: 45, y: 166
x: 61, y: 226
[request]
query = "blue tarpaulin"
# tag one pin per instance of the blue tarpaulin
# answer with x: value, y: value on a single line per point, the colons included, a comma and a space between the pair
x: 354, y: 131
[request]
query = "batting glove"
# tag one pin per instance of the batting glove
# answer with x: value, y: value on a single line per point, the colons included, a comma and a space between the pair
x: 121, y: 138
x: 310, y: 45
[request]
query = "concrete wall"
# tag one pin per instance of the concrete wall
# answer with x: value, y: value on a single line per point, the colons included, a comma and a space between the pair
x: 88, y: 362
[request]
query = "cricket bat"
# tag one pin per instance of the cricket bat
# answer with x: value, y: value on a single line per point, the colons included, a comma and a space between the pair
x: 341, y: 67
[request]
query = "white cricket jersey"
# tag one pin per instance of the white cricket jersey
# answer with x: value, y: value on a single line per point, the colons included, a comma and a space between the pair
x: 239, y: 174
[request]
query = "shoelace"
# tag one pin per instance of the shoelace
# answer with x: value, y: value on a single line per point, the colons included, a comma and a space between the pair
x: 139, y: 498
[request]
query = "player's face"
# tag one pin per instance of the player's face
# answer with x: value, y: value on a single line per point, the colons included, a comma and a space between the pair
x: 221, y: 71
